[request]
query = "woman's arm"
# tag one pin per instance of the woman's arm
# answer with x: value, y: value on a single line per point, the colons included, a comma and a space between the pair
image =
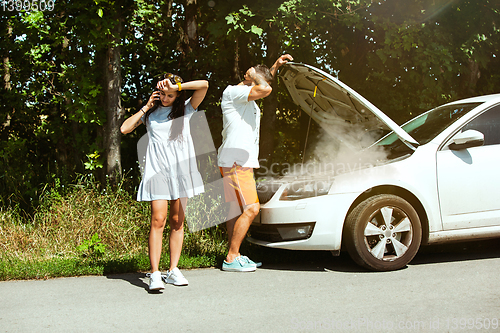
x: 200, y: 88
x: 132, y: 122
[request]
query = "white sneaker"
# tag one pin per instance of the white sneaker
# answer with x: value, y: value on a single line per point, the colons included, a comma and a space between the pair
x: 155, y: 281
x: 175, y: 277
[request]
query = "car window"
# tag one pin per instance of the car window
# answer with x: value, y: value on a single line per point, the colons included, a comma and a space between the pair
x: 438, y: 120
x: 487, y: 123
x: 408, y: 127
x: 425, y: 127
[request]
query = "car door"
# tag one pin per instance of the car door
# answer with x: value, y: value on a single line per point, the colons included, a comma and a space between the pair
x: 468, y: 179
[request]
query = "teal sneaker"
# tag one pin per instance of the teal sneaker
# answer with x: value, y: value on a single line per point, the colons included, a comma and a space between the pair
x: 239, y: 264
x: 257, y: 264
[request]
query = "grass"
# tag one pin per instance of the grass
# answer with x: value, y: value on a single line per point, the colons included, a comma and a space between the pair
x: 85, y: 230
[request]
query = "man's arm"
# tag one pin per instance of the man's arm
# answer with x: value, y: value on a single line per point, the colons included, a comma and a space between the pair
x: 261, y: 88
x: 278, y: 63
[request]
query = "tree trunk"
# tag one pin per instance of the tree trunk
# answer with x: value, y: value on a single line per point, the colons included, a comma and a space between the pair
x: 268, y: 121
x: 7, y: 84
x: 114, y: 110
x: 191, y: 26
x: 168, y: 8
x: 190, y: 36
x: 470, y: 80
x: 236, y: 64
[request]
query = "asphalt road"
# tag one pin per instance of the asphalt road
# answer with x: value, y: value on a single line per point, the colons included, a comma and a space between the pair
x: 452, y: 288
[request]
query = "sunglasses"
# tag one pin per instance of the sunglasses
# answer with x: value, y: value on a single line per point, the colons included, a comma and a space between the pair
x: 177, y: 78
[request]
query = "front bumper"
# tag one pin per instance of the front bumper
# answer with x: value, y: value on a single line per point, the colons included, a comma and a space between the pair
x: 309, y: 224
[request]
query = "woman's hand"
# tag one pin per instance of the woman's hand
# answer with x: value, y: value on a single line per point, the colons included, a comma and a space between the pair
x: 167, y: 86
x: 155, y: 96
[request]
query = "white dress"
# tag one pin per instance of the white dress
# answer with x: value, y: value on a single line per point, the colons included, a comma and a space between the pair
x: 170, y: 169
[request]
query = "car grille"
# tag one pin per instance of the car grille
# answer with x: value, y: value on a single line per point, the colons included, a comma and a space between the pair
x: 270, y: 233
x: 265, y: 233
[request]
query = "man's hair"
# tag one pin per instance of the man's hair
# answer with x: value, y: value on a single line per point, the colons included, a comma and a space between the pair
x: 265, y: 72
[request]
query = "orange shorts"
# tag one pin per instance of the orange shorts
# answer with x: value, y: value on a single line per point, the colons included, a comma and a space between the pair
x: 239, y: 185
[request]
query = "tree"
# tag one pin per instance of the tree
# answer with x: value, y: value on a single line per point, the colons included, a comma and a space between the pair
x: 411, y: 56
x: 112, y: 92
x: 70, y: 75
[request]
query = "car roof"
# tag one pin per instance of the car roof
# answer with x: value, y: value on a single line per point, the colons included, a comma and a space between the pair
x: 477, y: 99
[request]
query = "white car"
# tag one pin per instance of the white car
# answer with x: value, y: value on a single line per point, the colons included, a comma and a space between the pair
x: 439, y: 180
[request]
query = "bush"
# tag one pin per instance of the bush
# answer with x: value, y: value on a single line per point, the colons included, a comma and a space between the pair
x: 89, y: 230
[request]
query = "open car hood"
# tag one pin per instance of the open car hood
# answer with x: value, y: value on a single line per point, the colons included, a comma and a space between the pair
x: 335, y: 106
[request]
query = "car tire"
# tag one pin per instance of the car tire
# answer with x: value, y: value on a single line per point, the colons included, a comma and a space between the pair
x: 383, y: 233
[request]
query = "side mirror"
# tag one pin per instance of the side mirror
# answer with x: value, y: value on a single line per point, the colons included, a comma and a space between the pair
x: 468, y: 139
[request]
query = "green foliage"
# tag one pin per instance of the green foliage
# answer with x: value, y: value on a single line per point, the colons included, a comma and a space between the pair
x: 239, y: 20
x: 403, y: 56
x: 92, y: 248
x: 94, y: 161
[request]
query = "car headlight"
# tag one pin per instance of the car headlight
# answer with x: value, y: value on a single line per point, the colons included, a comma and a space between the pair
x: 306, y: 189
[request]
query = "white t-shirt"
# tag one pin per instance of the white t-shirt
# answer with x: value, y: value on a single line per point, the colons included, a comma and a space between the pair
x: 241, y: 127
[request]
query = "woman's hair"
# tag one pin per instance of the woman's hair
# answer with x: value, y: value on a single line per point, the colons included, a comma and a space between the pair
x: 177, y: 107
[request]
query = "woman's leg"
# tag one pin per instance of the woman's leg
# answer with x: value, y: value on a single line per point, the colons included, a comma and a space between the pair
x: 159, y: 210
x: 176, y: 220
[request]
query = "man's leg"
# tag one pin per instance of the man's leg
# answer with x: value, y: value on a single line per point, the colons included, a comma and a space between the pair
x: 240, y: 190
x: 235, y: 211
x: 239, y: 230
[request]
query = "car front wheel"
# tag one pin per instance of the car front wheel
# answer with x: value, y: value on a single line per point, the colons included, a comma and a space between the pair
x: 383, y: 233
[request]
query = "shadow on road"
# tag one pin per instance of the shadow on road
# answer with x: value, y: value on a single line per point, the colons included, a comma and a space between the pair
x: 324, y: 261
x: 290, y: 260
x: 277, y: 259
x: 135, y: 279
x: 462, y: 251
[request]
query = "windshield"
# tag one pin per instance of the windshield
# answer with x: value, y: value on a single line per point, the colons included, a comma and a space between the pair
x: 425, y: 127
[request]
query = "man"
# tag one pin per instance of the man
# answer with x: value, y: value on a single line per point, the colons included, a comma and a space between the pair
x: 239, y: 154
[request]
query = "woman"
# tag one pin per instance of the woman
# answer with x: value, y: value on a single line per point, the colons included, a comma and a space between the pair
x: 170, y: 174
